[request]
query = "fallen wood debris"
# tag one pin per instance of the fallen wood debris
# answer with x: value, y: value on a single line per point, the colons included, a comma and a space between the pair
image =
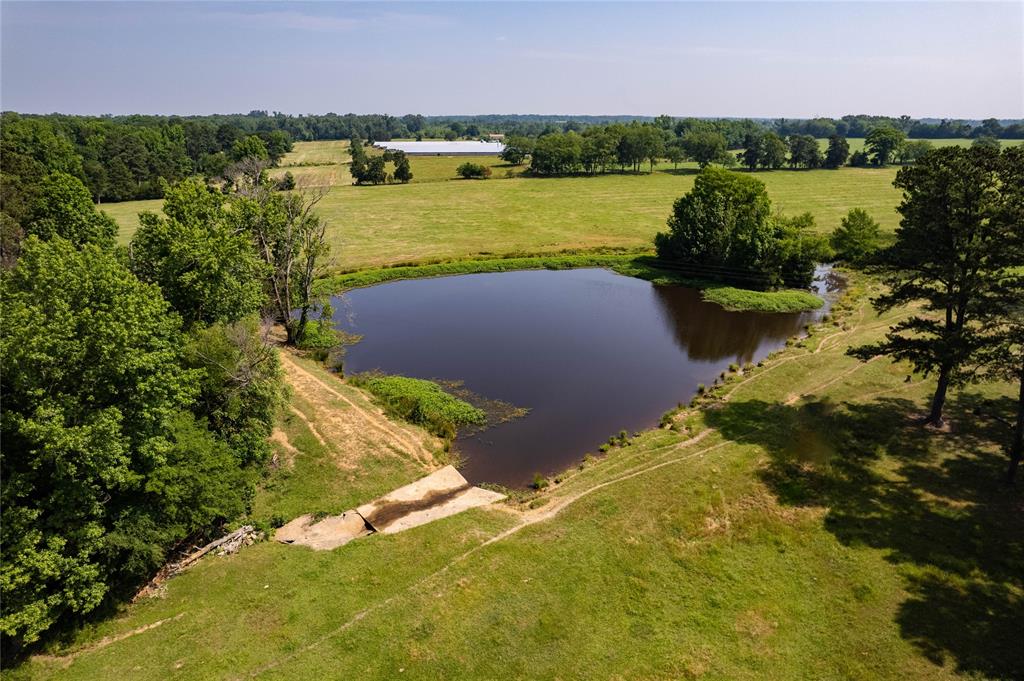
x: 245, y: 535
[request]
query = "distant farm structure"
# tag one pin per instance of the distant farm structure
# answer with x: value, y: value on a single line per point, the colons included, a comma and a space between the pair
x: 442, y: 148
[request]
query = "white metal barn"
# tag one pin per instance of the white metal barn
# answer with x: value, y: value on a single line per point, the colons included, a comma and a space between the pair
x: 441, y: 148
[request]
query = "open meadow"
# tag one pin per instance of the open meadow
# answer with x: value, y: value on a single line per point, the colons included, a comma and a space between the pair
x: 519, y: 341
x: 793, y: 524
x: 388, y: 224
x: 439, y: 216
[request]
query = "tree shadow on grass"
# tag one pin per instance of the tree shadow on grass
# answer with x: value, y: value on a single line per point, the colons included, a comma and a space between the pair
x: 678, y: 171
x: 934, y: 502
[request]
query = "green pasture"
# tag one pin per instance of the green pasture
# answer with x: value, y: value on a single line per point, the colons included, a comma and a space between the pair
x: 389, y: 224
x: 795, y: 524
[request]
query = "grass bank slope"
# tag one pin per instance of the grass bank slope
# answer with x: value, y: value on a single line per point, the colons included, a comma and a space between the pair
x: 797, y: 526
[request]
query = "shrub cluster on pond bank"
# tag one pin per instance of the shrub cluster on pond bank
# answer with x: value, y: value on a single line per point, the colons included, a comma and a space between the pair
x: 422, y: 402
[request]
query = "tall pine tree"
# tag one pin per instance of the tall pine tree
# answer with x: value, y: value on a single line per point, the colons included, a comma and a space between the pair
x: 948, y: 257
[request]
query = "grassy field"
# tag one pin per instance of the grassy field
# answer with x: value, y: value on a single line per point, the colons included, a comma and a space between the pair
x: 794, y: 525
x: 439, y: 216
x: 385, y: 225
x: 317, y: 153
x: 857, y: 143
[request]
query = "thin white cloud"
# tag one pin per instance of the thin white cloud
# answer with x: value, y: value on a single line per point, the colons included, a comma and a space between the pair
x: 326, y: 23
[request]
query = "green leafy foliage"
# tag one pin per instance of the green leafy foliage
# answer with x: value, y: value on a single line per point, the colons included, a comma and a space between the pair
x: 91, y: 380
x: 837, y: 153
x: 64, y: 208
x: 421, y: 402
x: 706, y: 147
x: 473, y: 171
x: 249, y: 147
x: 205, y: 267
x: 723, y: 229
x: 857, y: 237
x: 804, y: 152
x: 517, y: 149
x: 240, y: 385
x: 951, y: 253
x: 883, y: 142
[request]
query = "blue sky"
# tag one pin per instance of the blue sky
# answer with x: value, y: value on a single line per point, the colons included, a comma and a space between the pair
x: 705, y: 59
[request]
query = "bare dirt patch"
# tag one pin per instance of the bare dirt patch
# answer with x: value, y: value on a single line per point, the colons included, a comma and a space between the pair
x: 344, y: 420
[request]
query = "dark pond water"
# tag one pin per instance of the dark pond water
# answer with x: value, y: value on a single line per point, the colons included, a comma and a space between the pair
x: 589, y: 352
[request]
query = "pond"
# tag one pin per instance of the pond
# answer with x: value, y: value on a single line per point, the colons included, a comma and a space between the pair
x: 588, y: 351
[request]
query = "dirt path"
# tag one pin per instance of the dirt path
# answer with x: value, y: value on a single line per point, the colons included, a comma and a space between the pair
x: 355, y: 427
x: 66, y: 660
x: 653, y: 460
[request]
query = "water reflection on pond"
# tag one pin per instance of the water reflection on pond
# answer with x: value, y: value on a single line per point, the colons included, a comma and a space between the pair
x: 589, y: 352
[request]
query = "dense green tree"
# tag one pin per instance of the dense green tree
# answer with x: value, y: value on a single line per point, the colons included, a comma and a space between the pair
x: 706, y: 147
x: 376, y: 171
x: 357, y: 169
x: 286, y: 182
x: 857, y: 237
x: 206, y: 268
x: 277, y: 143
x: 517, y: 149
x: 403, y: 171
x: 557, y: 154
x: 722, y: 227
x: 240, y: 388
x: 652, y: 144
x: 911, y: 150
x: 948, y: 255
x: 598, y: 149
x: 804, y: 152
x: 772, y: 151
x: 837, y: 153
x: 64, y: 208
x: 249, y: 147
x: 1003, y: 322
x: 990, y: 127
x: 984, y: 141
x: 631, y: 149
x: 860, y: 159
x: 675, y: 153
x: 97, y: 481
x: 750, y: 157
x: 795, y: 250
x: 473, y: 171
x: 882, y: 143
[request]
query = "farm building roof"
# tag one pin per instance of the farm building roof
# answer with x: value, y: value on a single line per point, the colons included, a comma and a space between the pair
x: 438, y: 148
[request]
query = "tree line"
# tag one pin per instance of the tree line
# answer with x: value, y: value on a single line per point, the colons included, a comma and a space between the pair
x: 618, y: 147
x: 127, y: 160
x: 139, y: 384
x: 122, y: 158
x: 861, y: 125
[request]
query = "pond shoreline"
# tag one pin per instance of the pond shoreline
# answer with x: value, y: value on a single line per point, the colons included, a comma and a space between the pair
x: 637, y: 264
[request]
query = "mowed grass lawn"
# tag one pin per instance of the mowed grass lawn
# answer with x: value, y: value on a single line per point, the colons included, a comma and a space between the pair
x: 812, y: 531
x: 388, y: 224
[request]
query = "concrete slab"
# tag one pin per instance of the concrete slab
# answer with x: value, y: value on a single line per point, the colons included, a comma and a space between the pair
x: 441, y: 494
x: 323, y: 535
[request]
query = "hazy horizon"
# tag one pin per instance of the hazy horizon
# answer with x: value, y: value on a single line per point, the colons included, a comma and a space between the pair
x: 736, y: 60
